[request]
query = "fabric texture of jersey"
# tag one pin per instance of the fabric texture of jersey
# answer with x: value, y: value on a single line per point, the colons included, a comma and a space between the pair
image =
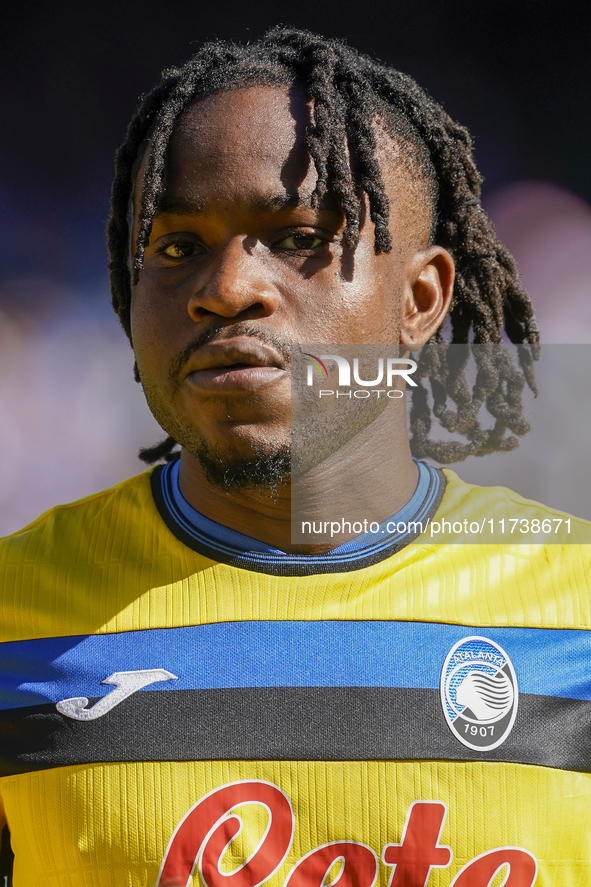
x: 168, y: 717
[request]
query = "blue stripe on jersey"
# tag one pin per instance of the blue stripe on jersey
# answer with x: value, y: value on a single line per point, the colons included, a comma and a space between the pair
x: 550, y: 662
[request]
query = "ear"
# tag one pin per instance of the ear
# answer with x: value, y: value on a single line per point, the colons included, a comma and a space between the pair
x: 427, y: 291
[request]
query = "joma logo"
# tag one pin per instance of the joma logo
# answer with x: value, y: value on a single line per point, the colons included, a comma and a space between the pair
x: 126, y: 683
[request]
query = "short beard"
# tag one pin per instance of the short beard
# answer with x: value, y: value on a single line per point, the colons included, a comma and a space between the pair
x: 260, y: 471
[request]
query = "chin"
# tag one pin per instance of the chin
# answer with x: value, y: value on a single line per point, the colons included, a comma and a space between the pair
x: 244, y: 455
x: 263, y: 468
x: 238, y: 460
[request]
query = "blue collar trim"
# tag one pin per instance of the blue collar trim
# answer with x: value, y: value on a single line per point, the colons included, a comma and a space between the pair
x: 228, y: 546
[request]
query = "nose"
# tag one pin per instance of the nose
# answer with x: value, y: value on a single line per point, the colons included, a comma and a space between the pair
x: 235, y: 282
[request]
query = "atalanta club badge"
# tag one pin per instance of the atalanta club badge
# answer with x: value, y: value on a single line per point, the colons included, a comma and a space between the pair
x: 479, y: 693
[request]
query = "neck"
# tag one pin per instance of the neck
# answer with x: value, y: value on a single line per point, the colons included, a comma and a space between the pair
x: 369, y: 478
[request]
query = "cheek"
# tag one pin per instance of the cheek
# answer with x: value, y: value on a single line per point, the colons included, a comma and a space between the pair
x: 381, y: 290
x: 152, y: 331
x: 362, y: 306
x: 143, y: 323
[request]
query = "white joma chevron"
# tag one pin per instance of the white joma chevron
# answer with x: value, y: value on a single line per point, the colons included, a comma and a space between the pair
x: 126, y: 683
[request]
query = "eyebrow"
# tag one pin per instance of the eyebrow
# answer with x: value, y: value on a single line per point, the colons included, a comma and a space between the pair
x: 260, y: 204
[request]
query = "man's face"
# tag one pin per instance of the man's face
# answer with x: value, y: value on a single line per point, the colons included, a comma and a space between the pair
x: 239, y: 267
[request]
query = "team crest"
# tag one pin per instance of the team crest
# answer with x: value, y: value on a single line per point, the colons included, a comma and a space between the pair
x: 479, y: 693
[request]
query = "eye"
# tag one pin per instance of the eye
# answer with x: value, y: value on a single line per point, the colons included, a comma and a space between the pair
x: 180, y: 249
x: 301, y: 241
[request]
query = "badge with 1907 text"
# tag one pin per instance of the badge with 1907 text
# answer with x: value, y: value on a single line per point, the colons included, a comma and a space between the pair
x: 479, y: 693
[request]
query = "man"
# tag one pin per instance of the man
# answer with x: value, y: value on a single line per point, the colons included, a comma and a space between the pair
x: 389, y: 708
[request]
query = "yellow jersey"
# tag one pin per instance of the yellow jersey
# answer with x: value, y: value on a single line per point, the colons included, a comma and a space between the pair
x: 173, y: 715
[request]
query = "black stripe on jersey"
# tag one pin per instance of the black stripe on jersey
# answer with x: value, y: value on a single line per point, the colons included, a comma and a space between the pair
x: 288, y: 723
x: 291, y: 564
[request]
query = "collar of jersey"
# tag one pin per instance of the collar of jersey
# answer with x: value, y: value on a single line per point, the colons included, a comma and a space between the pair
x: 228, y: 546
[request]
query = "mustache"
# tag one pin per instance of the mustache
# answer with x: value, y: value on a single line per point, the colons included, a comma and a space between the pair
x: 221, y: 333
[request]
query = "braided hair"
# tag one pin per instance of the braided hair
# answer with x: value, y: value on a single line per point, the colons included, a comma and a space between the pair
x: 349, y: 93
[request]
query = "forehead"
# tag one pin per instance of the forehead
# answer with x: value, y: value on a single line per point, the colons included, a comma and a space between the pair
x: 246, y: 147
x: 247, y: 140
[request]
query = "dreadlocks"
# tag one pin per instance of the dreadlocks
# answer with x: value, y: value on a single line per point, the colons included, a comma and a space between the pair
x: 350, y: 93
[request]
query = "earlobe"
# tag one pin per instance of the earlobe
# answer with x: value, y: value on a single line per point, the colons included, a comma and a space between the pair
x: 428, y: 288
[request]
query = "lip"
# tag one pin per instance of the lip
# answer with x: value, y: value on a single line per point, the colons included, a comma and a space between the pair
x: 240, y: 364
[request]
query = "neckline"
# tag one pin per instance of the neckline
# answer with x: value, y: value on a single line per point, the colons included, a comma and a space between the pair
x: 227, y: 546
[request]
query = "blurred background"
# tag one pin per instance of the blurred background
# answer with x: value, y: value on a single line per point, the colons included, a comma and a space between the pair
x: 71, y: 417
